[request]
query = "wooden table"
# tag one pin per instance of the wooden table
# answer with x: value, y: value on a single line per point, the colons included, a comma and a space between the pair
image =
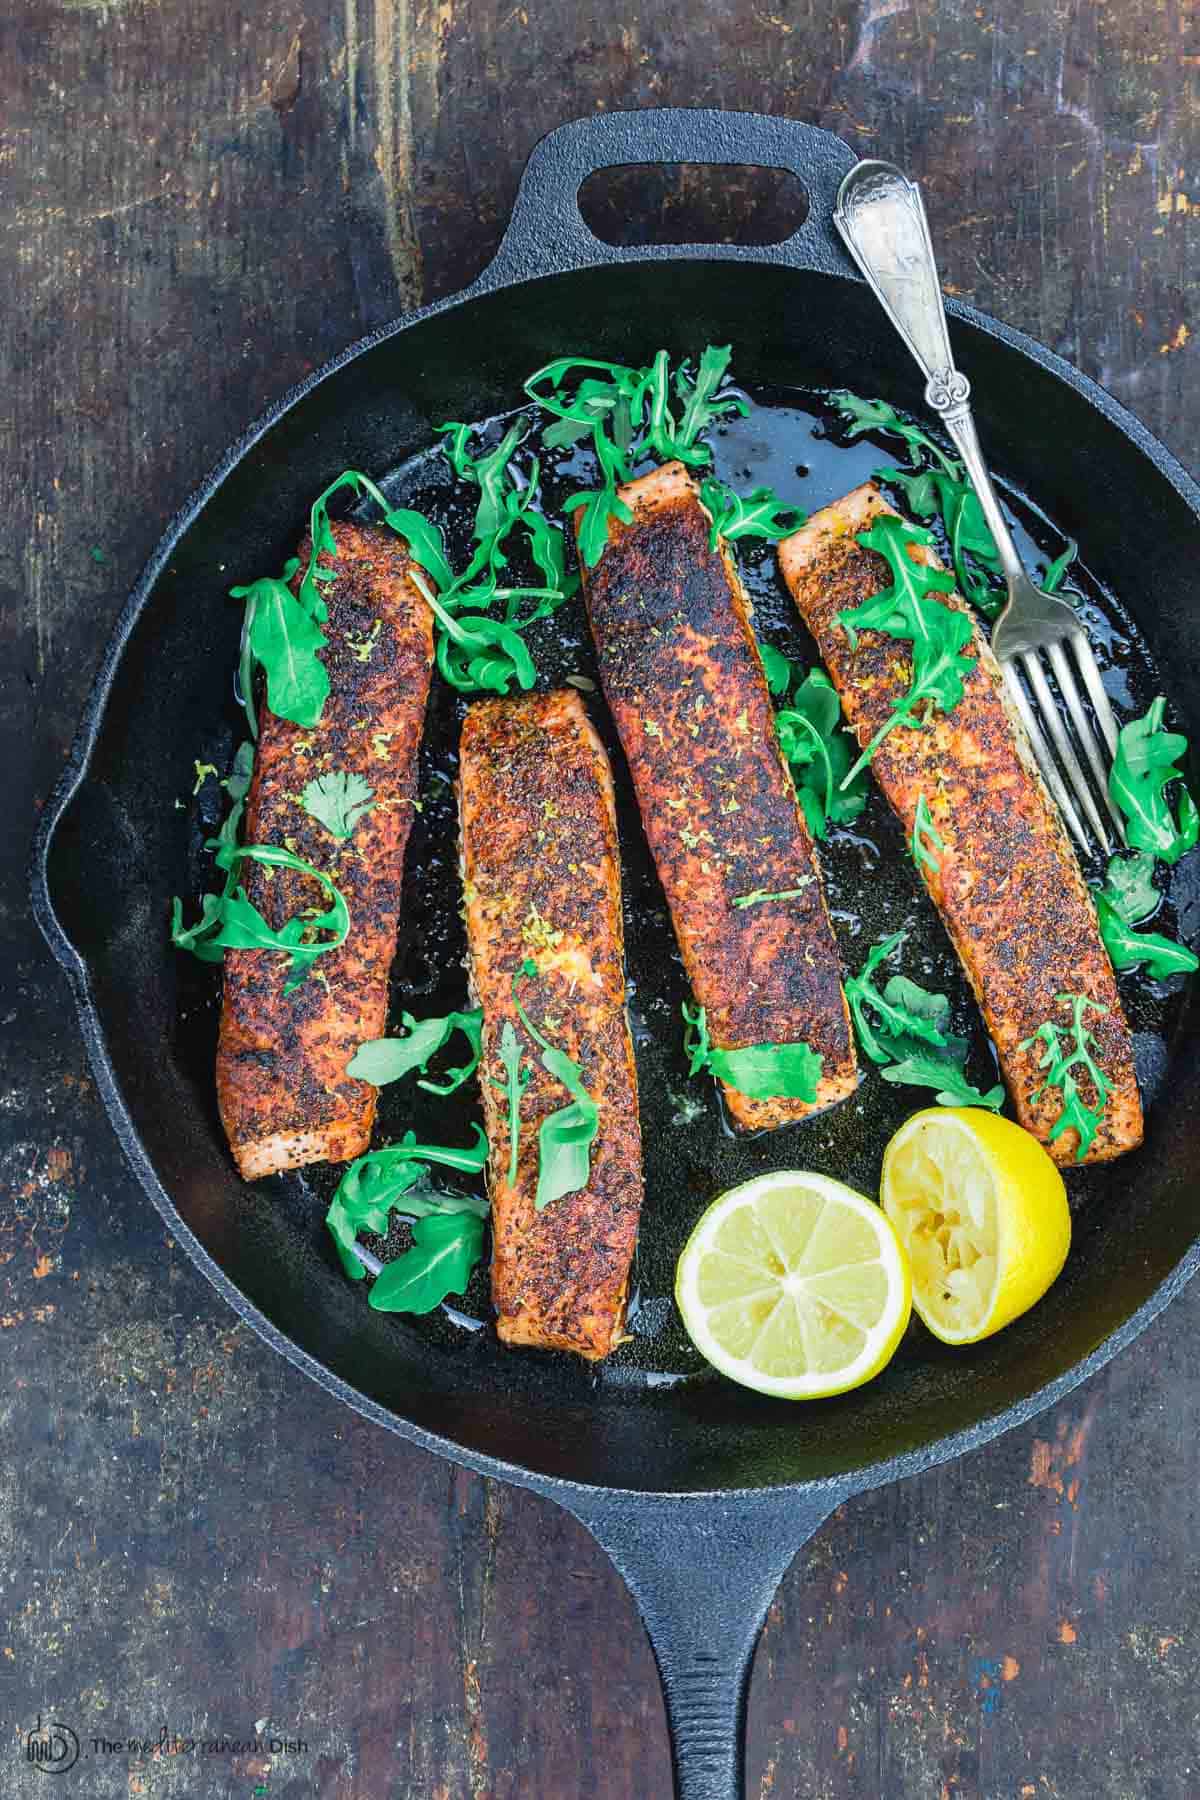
x: 201, y: 203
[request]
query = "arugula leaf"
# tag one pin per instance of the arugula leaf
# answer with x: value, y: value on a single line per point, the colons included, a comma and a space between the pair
x: 382, y: 1060
x: 477, y: 652
x: 397, y: 1179
x: 565, y: 1137
x: 1060, y: 1065
x: 283, y: 639
x: 1143, y: 768
x: 760, y: 1071
x: 488, y: 472
x: 812, y: 738
x: 905, y: 1031
x: 777, y: 668
x: 604, y: 503
x: 861, y: 415
x: 760, y: 514
x: 515, y: 1084
x: 1129, y: 949
x: 229, y: 921
x: 338, y: 801
x: 703, y: 404
x: 908, y: 609
x: 925, y: 829
x: 1129, y: 886
x: 237, y: 782
x: 1052, y: 579
x: 445, y: 1249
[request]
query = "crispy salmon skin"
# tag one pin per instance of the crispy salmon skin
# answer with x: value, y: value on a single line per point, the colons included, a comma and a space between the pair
x: 284, y: 1094
x: 542, y: 880
x: 1006, y: 883
x: 685, y: 684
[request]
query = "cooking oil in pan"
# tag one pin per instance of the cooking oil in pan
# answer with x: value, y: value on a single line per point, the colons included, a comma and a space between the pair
x: 790, y: 442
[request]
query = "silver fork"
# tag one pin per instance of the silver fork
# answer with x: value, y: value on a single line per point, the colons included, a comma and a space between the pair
x: 882, y: 221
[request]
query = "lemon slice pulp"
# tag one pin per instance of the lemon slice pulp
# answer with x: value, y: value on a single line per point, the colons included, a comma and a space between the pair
x: 982, y: 1211
x: 794, y: 1285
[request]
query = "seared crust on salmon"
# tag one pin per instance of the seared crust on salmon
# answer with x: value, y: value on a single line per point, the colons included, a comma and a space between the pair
x: 1007, y: 884
x: 542, y: 878
x: 284, y: 1094
x: 685, y: 684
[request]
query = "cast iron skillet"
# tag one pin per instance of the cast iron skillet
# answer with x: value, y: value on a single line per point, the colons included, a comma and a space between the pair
x: 701, y: 1493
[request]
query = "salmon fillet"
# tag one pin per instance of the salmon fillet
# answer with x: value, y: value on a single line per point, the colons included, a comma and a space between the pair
x: 284, y: 1094
x: 685, y: 684
x: 1007, y: 885
x: 542, y: 877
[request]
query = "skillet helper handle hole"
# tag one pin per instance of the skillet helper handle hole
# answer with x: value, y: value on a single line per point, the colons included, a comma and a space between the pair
x: 692, y: 203
x: 719, y: 151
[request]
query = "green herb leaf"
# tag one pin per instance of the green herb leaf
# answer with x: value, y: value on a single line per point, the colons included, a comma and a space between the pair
x: 489, y: 472
x: 876, y: 415
x: 397, y: 1179
x: 599, y: 507
x: 383, y: 1060
x: 924, y: 835
x: 1129, y: 886
x: 229, y: 920
x: 237, y: 782
x: 813, y: 739
x: 777, y: 668
x: 1130, y: 949
x: 283, y: 639
x: 703, y: 404
x: 1144, y: 766
x: 906, y: 1031
x: 338, y: 801
x: 515, y: 1083
x: 760, y: 1071
x: 909, y: 609
x: 425, y: 543
x: 1052, y: 580
x: 565, y: 1137
x: 760, y: 514
x: 760, y: 894
x: 1060, y: 1064
x: 445, y: 1249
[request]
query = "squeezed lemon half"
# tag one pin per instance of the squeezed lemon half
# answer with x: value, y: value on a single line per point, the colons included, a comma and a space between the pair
x: 794, y: 1285
x: 982, y: 1212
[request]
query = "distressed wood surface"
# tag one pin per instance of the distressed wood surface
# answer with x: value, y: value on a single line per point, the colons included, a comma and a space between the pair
x: 201, y: 203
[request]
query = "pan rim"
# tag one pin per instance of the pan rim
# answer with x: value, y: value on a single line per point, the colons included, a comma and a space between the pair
x: 75, y: 773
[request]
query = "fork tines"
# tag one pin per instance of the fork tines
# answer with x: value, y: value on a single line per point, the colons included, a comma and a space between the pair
x: 1061, y: 767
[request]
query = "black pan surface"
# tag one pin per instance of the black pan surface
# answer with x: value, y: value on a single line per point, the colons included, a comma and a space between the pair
x: 114, y: 848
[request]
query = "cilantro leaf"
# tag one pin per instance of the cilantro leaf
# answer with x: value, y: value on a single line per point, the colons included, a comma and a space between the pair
x: 383, y: 1060
x: 760, y: 1071
x: 1143, y: 768
x: 338, y: 801
x: 445, y: 1249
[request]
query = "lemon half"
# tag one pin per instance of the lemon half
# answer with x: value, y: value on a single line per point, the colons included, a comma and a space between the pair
x: 982, y: 1211
x: 794, y: 1285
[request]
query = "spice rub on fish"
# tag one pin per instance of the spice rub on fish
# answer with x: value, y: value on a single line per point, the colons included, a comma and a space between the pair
x: 542, y: 879
x: 685, y: 684
x: 284, y: 1094
x: 1005, y: 880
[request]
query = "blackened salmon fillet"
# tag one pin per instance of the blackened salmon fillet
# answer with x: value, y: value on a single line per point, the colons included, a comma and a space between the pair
x: 1006, y: 882
x: 284, y: 1094
x: 685, y: 684
x: 542, y: 882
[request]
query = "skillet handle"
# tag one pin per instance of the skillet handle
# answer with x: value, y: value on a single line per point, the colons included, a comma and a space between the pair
x: 704, y: 1573
x: 547, y: 235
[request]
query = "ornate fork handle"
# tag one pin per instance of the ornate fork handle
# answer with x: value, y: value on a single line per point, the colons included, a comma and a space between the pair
x: 882, y: 221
